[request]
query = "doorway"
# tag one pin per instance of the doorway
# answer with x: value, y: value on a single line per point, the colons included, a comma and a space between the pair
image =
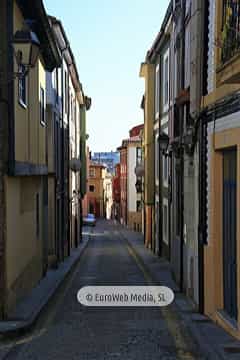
x: 230, y: 232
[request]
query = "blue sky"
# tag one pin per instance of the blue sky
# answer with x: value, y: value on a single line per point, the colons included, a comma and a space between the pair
x: 110, y: 39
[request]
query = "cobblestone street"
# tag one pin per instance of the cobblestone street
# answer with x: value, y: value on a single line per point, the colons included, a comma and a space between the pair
x: 68, y: 330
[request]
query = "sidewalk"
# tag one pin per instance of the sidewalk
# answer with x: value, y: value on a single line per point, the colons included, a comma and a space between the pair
x: 28, y: 310
x: 212, y: 339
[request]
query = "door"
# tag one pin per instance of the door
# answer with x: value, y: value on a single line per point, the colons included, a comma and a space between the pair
x: 157, y: 228
x: 230, y: 232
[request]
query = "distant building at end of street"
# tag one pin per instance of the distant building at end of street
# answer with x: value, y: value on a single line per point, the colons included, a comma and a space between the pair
x: 108, y: 159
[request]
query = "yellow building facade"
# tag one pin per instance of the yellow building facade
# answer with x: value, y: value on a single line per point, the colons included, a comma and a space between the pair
x: 147, y: 72
x: 25, y: 181
x: 95, y: 191
x: 222, y: 114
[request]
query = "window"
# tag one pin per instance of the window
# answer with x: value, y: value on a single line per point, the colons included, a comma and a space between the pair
x: 166, y: 80
x: 157, y: 92
x: 139, y: 156
x: 57, y: 86
x: 156, y: 159
x: 187, y: 57
x: 91, y: 188
x: 92, y: 172
x: 66, y: 92
x: 42, y: 107
x: 138, y: 206
x: 165, y: 170
x: 165, y: 221
x: 22, y: 88
x: 230, y: 29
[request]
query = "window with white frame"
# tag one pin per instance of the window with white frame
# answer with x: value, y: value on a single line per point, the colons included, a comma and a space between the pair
x: 187, y: 56
x: 165, y: 222
x: 42, y: 107
x: 22, y: 86
x: 157, y: 91
x: 157, y: 159
x: 138, y: 156
x: 92, y: 172
x: 166, y: 81
x: 66, y: 91
x: 165, y: 170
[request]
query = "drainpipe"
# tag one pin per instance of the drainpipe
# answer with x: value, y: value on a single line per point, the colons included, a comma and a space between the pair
x: 200, y: 228
x: 2, y: 229
x: 181, y: 148
x: 160, y: 234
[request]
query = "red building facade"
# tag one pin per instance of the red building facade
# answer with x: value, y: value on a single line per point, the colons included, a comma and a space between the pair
x: 116, y: 187
x: 123, y: 149
x: 123, y: 183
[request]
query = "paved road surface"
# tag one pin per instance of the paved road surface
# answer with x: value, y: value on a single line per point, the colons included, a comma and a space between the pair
x: 68, y: 330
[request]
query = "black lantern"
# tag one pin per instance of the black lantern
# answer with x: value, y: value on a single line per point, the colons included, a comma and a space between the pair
x: 26, y: 48
x: 163, y: 142
x: 138, y: 186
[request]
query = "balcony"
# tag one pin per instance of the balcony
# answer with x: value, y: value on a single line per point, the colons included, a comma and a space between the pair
x: 231, y: 29
x: 228, y: 71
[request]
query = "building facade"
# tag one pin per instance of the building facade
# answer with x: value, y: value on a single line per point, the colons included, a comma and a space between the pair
x: 123, y: 183
x: 36, y: 156
x: 131, y: 195
x: 174, y: 84
x: 159, y: 56
x: 147, y: 71
x: 108, y: 159
x: 96, y: 196
x: 24, y: 237
x: 219, y: 167
x: 108, y: 195
x: 116, y: 190
x: 85, y: 196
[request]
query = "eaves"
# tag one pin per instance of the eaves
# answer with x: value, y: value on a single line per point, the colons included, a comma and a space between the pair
x: 35, y: 13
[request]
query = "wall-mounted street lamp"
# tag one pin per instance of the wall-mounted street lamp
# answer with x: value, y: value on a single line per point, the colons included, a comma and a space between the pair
x: 26, y: 47
x: 163, y: 143
x: 26, y: 50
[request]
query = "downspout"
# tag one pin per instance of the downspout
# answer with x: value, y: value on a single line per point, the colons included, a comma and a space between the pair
x: 160, y: 173
x: 63, y: 195
x: 181, y: 148
x: 201, y: 219
x: 3, y: 233
x: 69, y: 215
x: 202, y: 136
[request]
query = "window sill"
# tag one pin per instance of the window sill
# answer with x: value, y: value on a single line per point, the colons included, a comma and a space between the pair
x: 22, y: 104
x: 229, y: 71
x: 43, y: 123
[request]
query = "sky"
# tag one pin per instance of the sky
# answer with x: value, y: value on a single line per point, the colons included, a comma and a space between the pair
x: 110, y: 39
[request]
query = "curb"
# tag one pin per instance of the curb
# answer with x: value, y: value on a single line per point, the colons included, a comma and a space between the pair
x: 12, y: 327
x: 210, y: 351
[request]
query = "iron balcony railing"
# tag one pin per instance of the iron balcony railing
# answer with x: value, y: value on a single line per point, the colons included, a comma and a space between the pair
x: 230, y: 29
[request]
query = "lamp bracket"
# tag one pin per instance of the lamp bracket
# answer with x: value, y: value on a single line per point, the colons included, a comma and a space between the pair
x: 4, y: 80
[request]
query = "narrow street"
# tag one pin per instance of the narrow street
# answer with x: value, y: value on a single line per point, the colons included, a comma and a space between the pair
x: 68, y: 330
